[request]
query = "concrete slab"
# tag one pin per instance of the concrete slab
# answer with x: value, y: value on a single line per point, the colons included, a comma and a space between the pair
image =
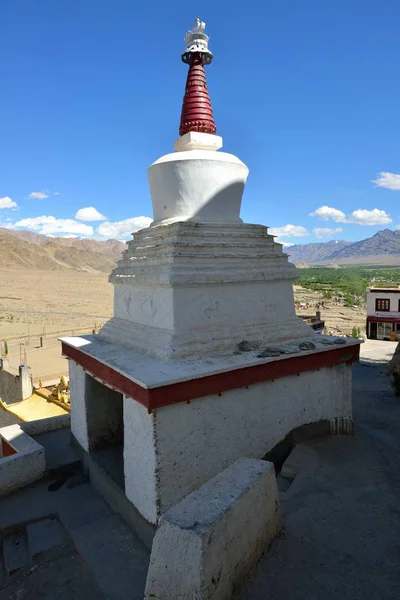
x: 75, y: 506
x: 117, y: 559
x: 211, y: 540
x: 81, y: 505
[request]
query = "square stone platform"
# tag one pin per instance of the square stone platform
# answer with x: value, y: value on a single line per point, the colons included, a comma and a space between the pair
x: 179, y: 423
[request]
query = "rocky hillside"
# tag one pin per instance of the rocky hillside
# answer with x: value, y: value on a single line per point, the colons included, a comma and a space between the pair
x: 381, y: 248
x: 383, y: 242
x: 27, y: 250
x: 315, y: 252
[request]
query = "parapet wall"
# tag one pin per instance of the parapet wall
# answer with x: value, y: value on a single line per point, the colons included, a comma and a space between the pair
x: 15, y: 388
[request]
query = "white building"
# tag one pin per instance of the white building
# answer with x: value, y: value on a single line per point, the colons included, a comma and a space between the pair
x: 383, y: 313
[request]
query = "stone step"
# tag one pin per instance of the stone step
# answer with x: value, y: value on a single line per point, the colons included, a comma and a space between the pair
x: 118, y: 560
x: 15, y: 552
x: 45, y: 535
x: 220, y: 246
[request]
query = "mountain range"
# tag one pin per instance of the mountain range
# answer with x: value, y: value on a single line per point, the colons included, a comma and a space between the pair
x: 382, y: 248
x: 29, y: 250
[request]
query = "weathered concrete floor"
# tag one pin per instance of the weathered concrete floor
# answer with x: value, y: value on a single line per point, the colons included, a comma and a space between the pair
x: 60, y: 539
x: 341, y: 539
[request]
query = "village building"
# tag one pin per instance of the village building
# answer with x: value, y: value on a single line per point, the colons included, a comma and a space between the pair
x: 383, y: 313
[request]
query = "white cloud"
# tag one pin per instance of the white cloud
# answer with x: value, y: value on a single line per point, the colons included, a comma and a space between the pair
x: 289, y: 231
x: 50, y: 225
x: 121, y: 230
x: 361, y: 216
x: 89, y: 213
x: 397, y: 227
x: 6, y: 202
x: 39, y: 195
x: 390, y: 181
x: 369, y: 217
x: 324, y: 232
x: 56, y: 193
x: 328, y: 213
x: 287, y: 244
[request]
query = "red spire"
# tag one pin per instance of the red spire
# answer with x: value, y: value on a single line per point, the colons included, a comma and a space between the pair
x: 196, y: 113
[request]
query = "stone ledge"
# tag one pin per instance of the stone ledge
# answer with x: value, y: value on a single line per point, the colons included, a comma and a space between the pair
x: 207, y: 544
x: 155, y: 383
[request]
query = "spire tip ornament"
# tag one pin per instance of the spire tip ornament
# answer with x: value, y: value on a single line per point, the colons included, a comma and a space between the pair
x: 196, y: 41
x: 197, y: 112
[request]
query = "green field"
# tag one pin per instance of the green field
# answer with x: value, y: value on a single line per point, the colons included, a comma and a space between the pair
x: 348, y: 283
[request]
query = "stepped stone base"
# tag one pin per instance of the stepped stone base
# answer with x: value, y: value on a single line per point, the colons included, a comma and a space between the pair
x: 194, y: 289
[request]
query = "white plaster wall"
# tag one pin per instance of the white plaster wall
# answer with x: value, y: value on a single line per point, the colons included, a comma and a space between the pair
x: 147, y: 305
x: 172, y: 322
x: 394, y: 298
x: 198, y: 440
x: 140, y: 459
x: 25, y: 382
x: 14, y: 388
x: 191, y: 307
x: 200, y: 185
x: 77, y: 384
x: 24, y: 467
x: 230, y: 304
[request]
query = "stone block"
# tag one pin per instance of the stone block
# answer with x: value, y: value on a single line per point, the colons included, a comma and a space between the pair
x: 208, y: 543
x: 115, y: 556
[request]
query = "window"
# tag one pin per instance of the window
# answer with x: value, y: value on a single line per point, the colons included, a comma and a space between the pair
x: 382, y: 305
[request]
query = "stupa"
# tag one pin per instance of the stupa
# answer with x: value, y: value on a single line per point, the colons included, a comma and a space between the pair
x: 204, y: 360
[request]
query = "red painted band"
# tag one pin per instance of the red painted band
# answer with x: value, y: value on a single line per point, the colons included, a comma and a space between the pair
x: 383, y: 320
x: 7, y: 449
x: 185, y: 391
x: 107, y: 374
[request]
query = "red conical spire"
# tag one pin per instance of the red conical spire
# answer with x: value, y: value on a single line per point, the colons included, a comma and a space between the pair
x: 196, y: 113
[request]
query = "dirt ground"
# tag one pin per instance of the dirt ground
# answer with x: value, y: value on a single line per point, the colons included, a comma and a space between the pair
x: 339, y: 319
x: 33, y: 302
x: 49, y: 304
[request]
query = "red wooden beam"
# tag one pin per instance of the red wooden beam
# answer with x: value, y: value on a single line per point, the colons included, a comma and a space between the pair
x: 199, y: 387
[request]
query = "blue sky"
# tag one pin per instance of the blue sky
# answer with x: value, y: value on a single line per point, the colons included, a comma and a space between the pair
x: 305, y: 93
